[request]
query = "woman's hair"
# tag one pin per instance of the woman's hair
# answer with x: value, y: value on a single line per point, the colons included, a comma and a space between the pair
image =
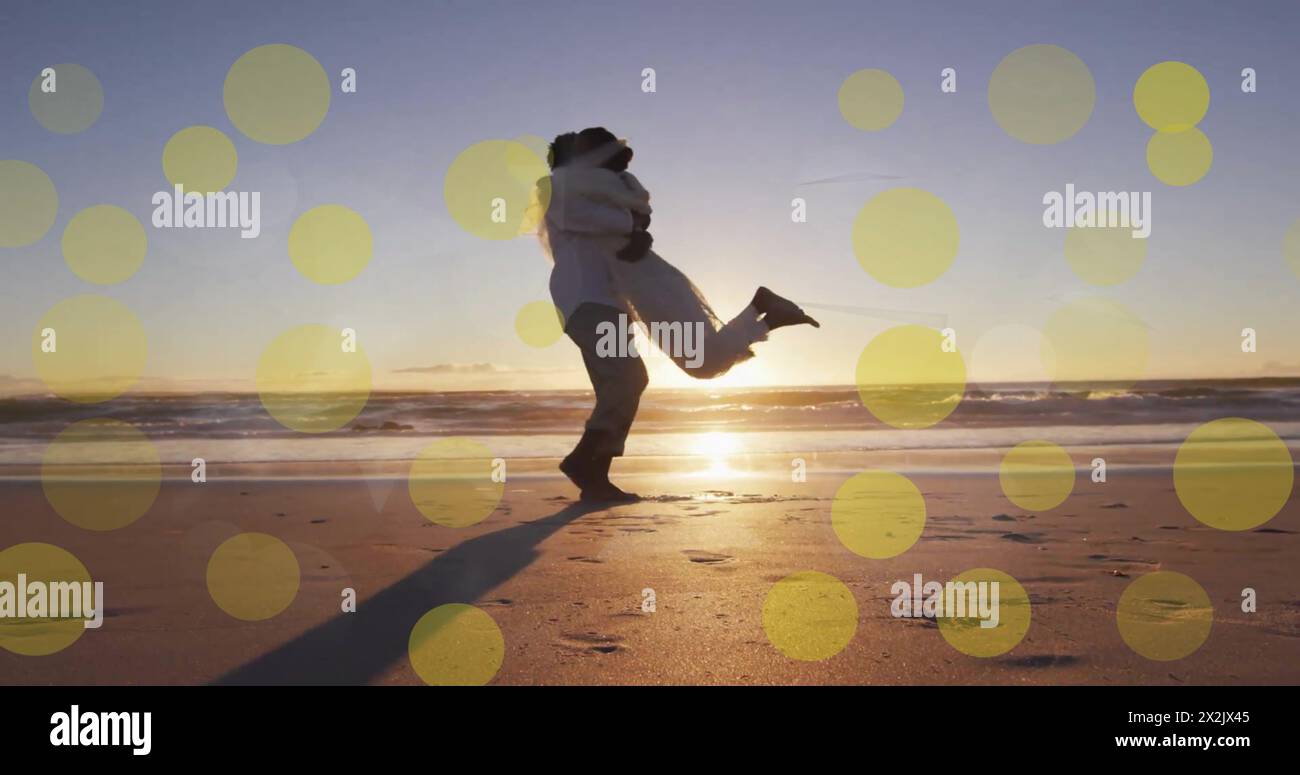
x: 562, y: 149
x: 572, y: 145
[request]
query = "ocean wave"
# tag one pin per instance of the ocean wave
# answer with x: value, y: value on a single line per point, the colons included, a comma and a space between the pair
x: 241, y: 416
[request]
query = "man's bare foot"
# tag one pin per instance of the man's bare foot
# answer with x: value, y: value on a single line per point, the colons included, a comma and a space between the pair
x: 581, y: 465
x: 579, y: 471
x: 606, y: 492
x: 600, y: 489
x: 779, y: 312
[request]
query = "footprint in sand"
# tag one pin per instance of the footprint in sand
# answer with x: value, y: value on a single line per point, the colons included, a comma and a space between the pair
x: 1052, y: 580
x: 1022, y: 538
x: 407, y: 549
x: 591, y: 643
x: 1042, y: 660
x: 1125, y: 560
x: 113, y: 613
x: 953, y: 518
x: 707, y: 558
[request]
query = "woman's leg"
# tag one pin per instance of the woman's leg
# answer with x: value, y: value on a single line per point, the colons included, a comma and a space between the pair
x: 717, y: 350
x: 682, y: 324
x: 723, y: 348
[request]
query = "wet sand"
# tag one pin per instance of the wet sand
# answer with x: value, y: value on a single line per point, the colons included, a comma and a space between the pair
x: 564, y: 582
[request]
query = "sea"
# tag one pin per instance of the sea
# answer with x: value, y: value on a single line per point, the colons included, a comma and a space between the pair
x: 231, y: 427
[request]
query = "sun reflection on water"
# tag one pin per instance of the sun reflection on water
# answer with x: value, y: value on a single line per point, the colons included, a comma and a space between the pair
x: 716, y: 447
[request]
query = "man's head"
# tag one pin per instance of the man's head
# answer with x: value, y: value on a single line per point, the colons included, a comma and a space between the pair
x: 596, y: 145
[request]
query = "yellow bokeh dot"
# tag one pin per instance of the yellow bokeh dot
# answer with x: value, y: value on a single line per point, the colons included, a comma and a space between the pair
x: 89, y: 348
x: 539, y: 324
x: 905, y: 237
x: 253, y: 576
x: 104, y: 244
x: 878, y: 514
x: 1164, y: 616
x: 1041, y: 94
x: 523, y: 165
x: 28, y: 203
x: 1179, y: 158
x: 494, y: 189
x: 73, y: 104
x: 38, y: 636
x: 1036, y: 475
x: 200, y: 159
x: 1094, y: 341
x: 101, y: 474
x: 456, y: 482
x: 456, y: 645
x: 1233, y: 473
x: 1171, y: 97
x: 810, y: 616
x: 907, y: 379
x: 871, y: 100
x: 1104, y: 255
x: 963, y: 626
x: 276, y: 94
x: 314, y: 378
x: 1291, y: 246
x: 330, y: 244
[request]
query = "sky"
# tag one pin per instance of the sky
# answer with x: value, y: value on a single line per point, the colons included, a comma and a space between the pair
x: 744, y: 117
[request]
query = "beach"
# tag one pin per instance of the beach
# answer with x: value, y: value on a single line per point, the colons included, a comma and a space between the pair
x: 566, y: 582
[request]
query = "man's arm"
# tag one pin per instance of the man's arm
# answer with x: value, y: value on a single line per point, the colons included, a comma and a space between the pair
x: 637, y: 246
x: 590, y: 217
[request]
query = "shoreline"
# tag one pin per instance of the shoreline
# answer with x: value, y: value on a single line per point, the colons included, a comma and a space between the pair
x: 954, y: 461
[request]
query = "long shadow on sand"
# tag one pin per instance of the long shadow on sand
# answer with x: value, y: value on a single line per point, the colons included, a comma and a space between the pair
x: 353, y: 648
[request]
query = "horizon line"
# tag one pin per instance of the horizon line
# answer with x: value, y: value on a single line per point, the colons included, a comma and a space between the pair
x: 1070, y: 386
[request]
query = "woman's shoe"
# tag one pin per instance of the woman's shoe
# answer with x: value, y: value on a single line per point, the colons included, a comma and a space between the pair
x: 779, y: 312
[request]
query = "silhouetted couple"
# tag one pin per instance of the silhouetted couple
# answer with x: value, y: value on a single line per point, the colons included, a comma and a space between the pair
x: 596, y: 230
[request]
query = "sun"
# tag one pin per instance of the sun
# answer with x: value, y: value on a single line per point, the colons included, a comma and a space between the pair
x: 716, y: 447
